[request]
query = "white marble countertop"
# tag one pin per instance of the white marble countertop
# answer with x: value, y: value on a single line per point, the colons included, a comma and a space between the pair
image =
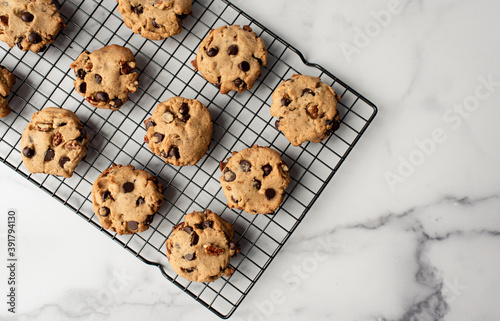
x: 409, y: 229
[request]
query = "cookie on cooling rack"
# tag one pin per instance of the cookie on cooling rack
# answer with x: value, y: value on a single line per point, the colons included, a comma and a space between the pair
x: 7, y: 81
x: 154, y: 20
x: 179, y: 131
x: 125, y: 199
x: 199, y: 248
x: 105, y: 77
x: 254, y: 180
x: 30, y: 24
x: 306, y: 109
x: 231, y: 57
x: 54, y: 142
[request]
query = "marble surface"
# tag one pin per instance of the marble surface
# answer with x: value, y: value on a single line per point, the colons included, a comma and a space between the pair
x: 409, y: 229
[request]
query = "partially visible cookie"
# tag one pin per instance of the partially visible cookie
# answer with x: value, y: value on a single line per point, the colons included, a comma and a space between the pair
x: 231, y: 57
x: 30, y: 24
x: 254, y: 180
x: 199, y: 248
x: 7, y: 81
x: 105, y: 77
x: 306, y: 109
x: 179, y: 131
x: 154, y: 20
x: 54, y: 142
x: 125, y: 199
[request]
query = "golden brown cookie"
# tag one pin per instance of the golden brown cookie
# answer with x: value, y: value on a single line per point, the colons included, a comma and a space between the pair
x: 179, y: 131
x: 154, y: 20
x: 199, y: 248
x: 7, y: 81
x: 29, y: 24
x: 105, y: 77
x: 231, y: 57
x: 254, y: 180
x: 125, y: 199
x: 306, y: 109
x: 54, y: 142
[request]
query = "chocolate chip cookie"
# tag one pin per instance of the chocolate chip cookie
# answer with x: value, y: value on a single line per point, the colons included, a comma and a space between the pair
x: 105, y: 77
x: 179, y: 131
x: 199, y: 248
x: 306, y: 109
x: 254, y: 180
x: 7, y: 81
x: 154, y: 20
x: 125, y: 199
x: 54, y: 142
x: 29, y: 24
x: 231, y: 57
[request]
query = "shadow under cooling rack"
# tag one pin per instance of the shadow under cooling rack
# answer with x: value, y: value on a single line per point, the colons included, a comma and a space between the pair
x: 240, y: 121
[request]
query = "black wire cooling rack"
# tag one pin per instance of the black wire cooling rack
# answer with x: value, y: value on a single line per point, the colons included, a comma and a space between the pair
x: 240, y: 121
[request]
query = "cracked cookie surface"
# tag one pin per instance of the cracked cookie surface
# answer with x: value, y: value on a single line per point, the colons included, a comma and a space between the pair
x: 125, y: 199
x: 231, y: 58
x: 154, y: 20
x: 199, y: 248
x: 29, y: 24
x: 254, y: 180
x: 105, y: 76
x: 179, y: 131
x: 7, y: 81
x: 306, y: 109
x: 54, y: 142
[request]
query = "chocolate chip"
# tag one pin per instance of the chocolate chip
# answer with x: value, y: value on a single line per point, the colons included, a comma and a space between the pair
x: 140, y: 201
x: 229, y: 176
x: 185, y: 118
x: 238, y: 82
x: 188, y: 229
x: 104, y: 211
x: 105, y: 195
x: 81, y: 73
x: 158, y: 137
x: 212, y: 52
x: 133, y: 225
x: 41, y: 49
x: 184, y: 109
x: 188, y: 270
x: 232, y: 50
x: 208, y: 224
x: 19, y: 44
x: 153, y: 22
x: 83, y: 88
x: 117, y: 103
x: 101, y: 96
x: 138, y: 9
x: 182, y: 16
x: 128, y: 187
x: 49, y: 155
x: 257, y: 184
x: 34, y: 38
x: 150, y: 124
x: 194, y: 239
x: 267, y: 169
x: 277, y: 124
x: 190, y: 257
x: 98, y: 78
x: 63, y: 161
x: 27, y: 17
x: 199, y: 226
x: 149, y: 219
x: 232, y: 245
x: 61, y: 124
x: 28, y: 152
x: 270, y: 193
x: 245, y: 66
x: 174, y: 152
x: 245, y: 165
x: 285, y: 102
x: 335, y: 125
x: 308, y: 91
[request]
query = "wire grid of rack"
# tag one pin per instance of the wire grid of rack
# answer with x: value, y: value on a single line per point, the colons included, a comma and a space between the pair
x: 240, y: 121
